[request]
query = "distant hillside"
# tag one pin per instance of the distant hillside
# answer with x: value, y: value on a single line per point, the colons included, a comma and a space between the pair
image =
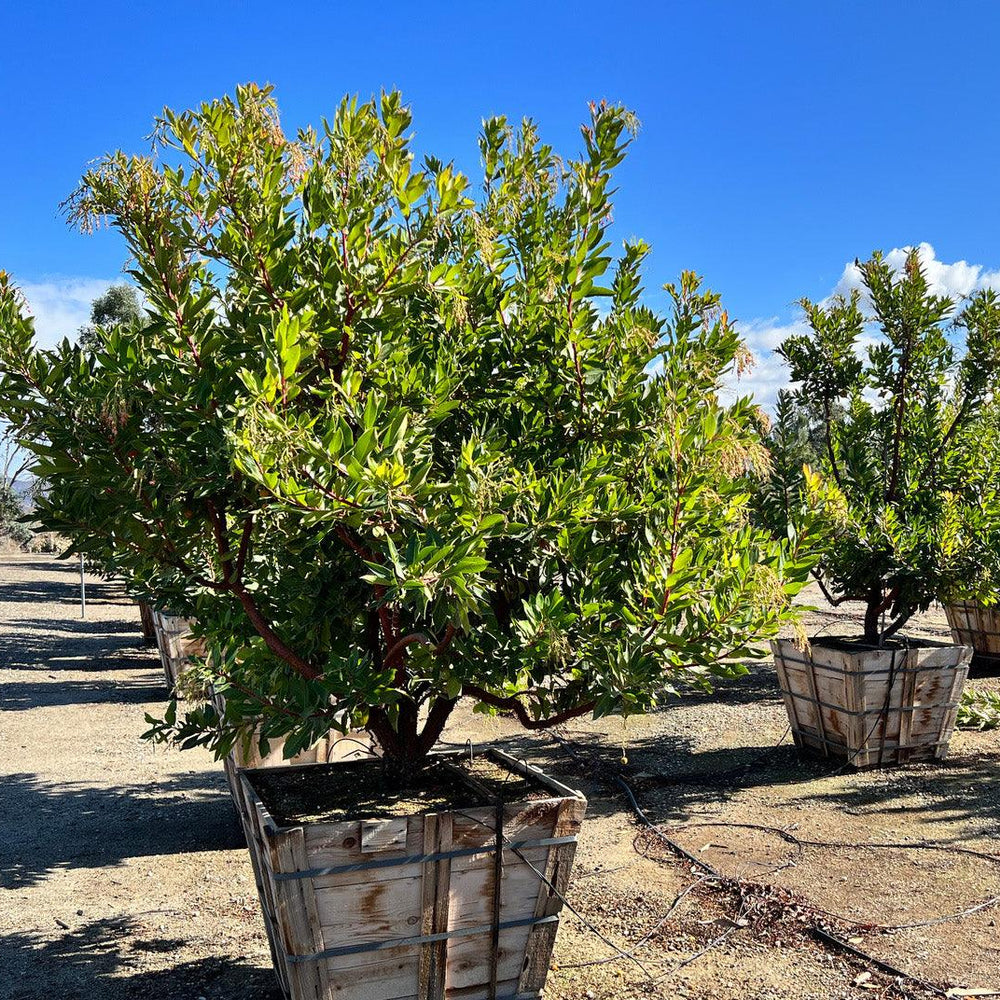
x: 24, y: 489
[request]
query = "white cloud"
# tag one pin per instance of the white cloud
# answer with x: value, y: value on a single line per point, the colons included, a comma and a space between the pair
x: 769, y: 373
x: 957, y: 279
x: 60, y: 306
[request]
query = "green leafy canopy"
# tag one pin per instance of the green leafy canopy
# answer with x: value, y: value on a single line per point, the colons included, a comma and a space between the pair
x: 904, y: 429
x: 394, y: 442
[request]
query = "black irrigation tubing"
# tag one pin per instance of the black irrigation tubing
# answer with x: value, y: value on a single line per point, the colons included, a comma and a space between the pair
x: 817, y: 931
x: 770, y: 871
x: 801, y: 843
x: 366, y: 747
x: 831, y: 940
x: 621, y: 953
x: 651, y: 933
x: 672, y: 844
x: 714, y: 943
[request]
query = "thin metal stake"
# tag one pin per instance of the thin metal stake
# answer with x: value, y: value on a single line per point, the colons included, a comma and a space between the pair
x: 83, y: 591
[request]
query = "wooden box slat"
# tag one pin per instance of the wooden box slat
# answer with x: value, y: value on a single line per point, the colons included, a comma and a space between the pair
x: 978, y: 627
x: 147, y: 621
x: 840, y: 702
x: 176, y: 645
x: 415, y: 898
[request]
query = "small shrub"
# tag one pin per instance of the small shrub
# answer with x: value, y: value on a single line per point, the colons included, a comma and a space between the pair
x: 978, y: 709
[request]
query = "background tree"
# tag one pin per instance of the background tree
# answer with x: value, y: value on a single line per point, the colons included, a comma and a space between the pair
x: 119, y: 305
x: 11, y: 512
x: 393, y: 445
x: 14, y: 460
x: 794, y: 440
x: 902, y: 437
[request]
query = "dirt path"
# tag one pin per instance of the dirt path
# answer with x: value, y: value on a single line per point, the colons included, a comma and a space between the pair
x: 123, y: 873
x: 122, y: 865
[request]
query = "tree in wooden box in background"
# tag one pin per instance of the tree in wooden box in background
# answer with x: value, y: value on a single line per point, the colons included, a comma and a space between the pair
x: 971, y: 596
x: 394, y: 443
x: 910, y: 473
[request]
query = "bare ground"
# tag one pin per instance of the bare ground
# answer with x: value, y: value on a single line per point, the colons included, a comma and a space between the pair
x: 122, y: 870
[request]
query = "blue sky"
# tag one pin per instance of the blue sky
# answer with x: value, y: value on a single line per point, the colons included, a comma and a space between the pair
x: 779, y: 140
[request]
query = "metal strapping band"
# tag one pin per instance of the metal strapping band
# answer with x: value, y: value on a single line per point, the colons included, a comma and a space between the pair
x: 811, y: 737
x: 893, y: 709
x: 358, y: 949
x: 869, y: 673
x: 418, y: 859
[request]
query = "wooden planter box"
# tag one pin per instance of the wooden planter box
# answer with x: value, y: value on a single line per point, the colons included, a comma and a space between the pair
x: 176, y: 645
x: 978, y: 627
x: 146, y: 620
x: 332, y: 748
x: 403, y: 909
x: 869, y: 706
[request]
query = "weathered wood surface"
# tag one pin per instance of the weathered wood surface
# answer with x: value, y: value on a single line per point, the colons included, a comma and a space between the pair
x: 870, y: 706
x: 176, y: 645
x: 408, y: 901
x: 978, y: 627
x: 147, y: 621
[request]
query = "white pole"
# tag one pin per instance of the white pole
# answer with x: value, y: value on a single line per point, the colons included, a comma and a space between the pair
x: 83, y: 591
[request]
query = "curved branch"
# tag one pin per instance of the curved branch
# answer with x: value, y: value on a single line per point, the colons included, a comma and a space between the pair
x: 272, y: 640
x: 520, y: 712
x: 408, y: 640
x: 835, y: 601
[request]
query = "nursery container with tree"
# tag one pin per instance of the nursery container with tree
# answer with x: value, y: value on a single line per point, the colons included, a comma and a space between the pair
x: 900, y: 431
x: 394, y: 443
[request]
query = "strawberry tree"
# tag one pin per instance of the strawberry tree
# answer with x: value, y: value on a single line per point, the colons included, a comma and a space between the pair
x: 395, y: 440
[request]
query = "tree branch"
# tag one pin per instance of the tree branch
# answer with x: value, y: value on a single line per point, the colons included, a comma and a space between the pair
x: 835, y: 601
x: 437, y: 718
x: 521, y: 713
x: 241, y: 556
x: 897, y: 625
x: 828, y: 435
x: 272, y: 640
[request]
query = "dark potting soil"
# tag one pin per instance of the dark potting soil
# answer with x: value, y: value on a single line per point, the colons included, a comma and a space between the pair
x: 331, y: 793
x: 849, y: 644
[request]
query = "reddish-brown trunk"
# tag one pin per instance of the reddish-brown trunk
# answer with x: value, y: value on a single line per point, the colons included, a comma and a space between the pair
x: 873, y: 615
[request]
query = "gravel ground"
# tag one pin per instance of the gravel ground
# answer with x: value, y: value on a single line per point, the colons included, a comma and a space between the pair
x: 122, y: 870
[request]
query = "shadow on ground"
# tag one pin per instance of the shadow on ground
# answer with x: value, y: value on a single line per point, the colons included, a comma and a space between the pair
x: 963, y: 788
x: 673, y: 780
x: 16, y: 696
x: 110, y: 959
x: 63, y: 590
x: 61, y: 644
x: 46, y: 828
